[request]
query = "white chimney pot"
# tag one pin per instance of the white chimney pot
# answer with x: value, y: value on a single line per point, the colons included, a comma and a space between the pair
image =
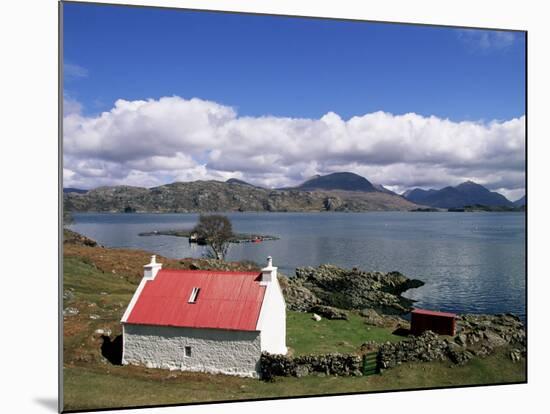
x: 269, y: 273
x: 150, y: 270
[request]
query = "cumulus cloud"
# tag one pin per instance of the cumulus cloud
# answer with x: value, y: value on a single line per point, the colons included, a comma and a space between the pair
x: 153, y: 142
x: 70, y: 105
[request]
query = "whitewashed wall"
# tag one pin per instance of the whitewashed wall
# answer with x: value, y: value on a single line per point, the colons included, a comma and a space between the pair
x: 272, y: 319
x: 212, y: 350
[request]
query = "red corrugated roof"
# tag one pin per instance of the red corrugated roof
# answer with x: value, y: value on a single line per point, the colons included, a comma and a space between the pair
x: 227, y: 300
x: 433, y: 313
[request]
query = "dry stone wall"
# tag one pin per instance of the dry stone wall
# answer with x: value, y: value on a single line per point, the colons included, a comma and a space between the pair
x: 330, y: 364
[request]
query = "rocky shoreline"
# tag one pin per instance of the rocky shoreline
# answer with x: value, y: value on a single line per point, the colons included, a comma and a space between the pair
x: 330, y: 292
x: 77, y: 239
x: 329, y: 285
x: 477, y: 335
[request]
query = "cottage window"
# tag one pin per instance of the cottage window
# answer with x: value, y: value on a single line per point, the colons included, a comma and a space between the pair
x: 187, y: 351
x: 194, y: 295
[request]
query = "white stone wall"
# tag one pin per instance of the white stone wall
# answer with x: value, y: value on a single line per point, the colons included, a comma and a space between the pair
x: 212, y: 350
x: 272, y: 319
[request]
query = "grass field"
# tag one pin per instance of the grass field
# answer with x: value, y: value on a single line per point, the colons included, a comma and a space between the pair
x: 112, y: 386
x: 101, y: 295
x: 306, y: 336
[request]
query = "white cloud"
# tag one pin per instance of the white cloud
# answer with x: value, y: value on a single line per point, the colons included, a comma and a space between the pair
x: 70, y: 105
x: 73, y: 71
x: 486, y: 40
x: 158, y: 141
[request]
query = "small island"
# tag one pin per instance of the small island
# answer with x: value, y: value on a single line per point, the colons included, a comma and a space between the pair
x: 237, y: 237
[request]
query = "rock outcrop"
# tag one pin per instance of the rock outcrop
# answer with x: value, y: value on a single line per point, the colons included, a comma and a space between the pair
x: 329, y: 285
x: 383, y: 321
x: 78, y: 239
x: 329, y: 312
x: 478, y: 335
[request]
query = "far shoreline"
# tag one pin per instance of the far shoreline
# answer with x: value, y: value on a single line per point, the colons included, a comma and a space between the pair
x: 291, y: 212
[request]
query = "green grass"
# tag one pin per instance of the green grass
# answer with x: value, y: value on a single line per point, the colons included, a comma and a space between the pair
x: 95, y: 293
x: 88, y: 282
x: 306, y: 336
x: 124, y: 386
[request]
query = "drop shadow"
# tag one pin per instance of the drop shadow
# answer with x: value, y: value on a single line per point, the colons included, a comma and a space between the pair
x: 112, y: 350
x: 48, y: 403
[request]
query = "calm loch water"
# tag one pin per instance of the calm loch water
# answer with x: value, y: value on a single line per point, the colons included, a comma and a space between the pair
x: 471, y: 262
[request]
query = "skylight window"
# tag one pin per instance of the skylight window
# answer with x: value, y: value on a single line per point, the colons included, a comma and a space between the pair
x: 194, y: 295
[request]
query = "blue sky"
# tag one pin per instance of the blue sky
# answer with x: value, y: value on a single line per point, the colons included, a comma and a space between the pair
x: 288, y: 85
x: 291, y: 66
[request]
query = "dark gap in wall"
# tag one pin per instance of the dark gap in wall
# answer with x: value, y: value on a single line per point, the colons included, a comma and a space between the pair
x: 112, y: 350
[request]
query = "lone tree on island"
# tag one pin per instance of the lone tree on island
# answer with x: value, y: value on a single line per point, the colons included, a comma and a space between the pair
x: 216, y: 231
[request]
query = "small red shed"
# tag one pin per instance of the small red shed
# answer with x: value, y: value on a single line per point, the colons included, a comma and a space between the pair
x: 442, y: 323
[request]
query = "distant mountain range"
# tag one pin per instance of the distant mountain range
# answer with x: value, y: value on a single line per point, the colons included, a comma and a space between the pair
x: 333, y: 192
x: 341, y: 191
x: 465, y: 194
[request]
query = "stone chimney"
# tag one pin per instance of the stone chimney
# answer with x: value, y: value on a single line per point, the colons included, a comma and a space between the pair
x: 269, y: 273
x: 150, y: 270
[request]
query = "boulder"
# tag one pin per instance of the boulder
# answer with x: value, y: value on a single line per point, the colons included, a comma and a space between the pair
x: 68, y: 295
x: 369, y: 346
x: 372, y: 317
x: 316, y: 317
x: 298, y: 298
x: 516, y: 354
x: 302, y: 371
x: 333, y: 203
x: 329, y: 312
x: 70, y: 311
x: 102, y: 332
x: 494, y: 339
x: 460, y: 356
x: 461, y: 339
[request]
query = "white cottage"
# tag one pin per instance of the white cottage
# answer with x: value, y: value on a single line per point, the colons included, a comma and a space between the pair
x: 207, y: 321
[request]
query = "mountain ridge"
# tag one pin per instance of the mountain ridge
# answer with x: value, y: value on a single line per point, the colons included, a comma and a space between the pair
x: 238, y: 195
x: 345, y: 181
x: 466, y: 193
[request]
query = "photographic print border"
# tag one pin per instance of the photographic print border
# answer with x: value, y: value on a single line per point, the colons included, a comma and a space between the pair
x: 60, y: 200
